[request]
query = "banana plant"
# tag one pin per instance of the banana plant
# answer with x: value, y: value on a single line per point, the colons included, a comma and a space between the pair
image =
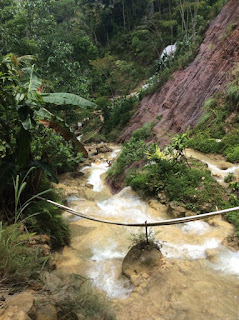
x: 21, y: 107
x: 60, y: 98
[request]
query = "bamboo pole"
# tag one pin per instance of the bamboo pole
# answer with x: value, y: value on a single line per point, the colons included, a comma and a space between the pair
x: 148, y: 224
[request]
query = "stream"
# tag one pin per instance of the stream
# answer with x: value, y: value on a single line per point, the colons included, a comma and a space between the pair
x: 199, y: 278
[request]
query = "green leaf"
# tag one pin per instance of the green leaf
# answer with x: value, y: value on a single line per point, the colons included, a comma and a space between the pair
x: 46, y: 168
x: 30, y: 79
x: 62, y: 98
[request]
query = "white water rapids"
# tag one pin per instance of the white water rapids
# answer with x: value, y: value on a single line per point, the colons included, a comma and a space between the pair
x: 97, y: 250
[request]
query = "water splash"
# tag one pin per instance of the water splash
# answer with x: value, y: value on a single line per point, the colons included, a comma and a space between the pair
x: 96, y: 171
x: 188, y: 251
x: 220, y: 174
x: 228, y: 261
x: 106, y: 271
x: 126, y: 206
x: 196, y: 227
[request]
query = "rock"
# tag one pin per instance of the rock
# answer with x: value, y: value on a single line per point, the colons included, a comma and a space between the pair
x: 175, y: 210
x: 89, y: 186
x: 162, y: 197
x: 77, y: 174
x: 25, y: 302
x: 103, y: 148
x: 141, y: 258
x: 212, y: 255
x: 13, y: 313
x: 145, y: 275
x: 46, y: 312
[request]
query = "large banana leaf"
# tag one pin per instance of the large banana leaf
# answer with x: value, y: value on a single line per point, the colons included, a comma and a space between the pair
x: 30, y: 79
x: 62, y: 98
x: 50, y: 120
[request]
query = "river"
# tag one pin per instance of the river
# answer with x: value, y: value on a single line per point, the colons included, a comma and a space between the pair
x: 199, y: 276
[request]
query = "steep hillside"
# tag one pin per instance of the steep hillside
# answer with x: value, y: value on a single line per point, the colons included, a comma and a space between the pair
x: 179, y: 103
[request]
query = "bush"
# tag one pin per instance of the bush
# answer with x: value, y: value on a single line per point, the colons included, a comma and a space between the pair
x: 229, y: 178
x: 18, y: 263
x: 233, y: 217
x: 49, y: 146
x: 44, y: 218
x: 119, y: 114
x: 49, y: 221
x: 232, y: 154
x: 144, y: 132
x: 191, y: 186
x: 133, y: 151
x: 202, y: 142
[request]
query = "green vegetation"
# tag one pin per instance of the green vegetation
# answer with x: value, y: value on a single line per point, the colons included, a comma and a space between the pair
x: 230, y: 177
x: 18, y: 263
x: 104, y: 48
x: 139, y: 238
x: 31, y: 153
x: 191, y: 186
x: 79, y: 298
x: 218, y: 132
x: 187, y: 182
x: 133, y: 151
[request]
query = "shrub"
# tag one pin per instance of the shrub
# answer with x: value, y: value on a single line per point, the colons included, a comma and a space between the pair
x: 139, y: 238
x: 233, y: 96
x: 48, y: 219
x: 144, y: 132
x: 120, y: 114
x: 229, y: 178
x: 133, y: 151
x: 191, y: 186
x: 232, y: 154
x: 18, y: 263
x: 233, y: 217
x: 52, y: 147
x: 205, y: 144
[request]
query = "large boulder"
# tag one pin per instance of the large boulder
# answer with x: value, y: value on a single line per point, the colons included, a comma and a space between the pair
x: 13, y: 313
x: 141, y: 258
x: 46, y: 311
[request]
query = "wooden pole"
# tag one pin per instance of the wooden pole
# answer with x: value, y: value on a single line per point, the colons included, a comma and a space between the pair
x: 146, y: 232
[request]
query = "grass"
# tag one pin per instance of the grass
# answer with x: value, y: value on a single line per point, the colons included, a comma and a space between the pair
x: 74, y: 295
x: 18, y: 263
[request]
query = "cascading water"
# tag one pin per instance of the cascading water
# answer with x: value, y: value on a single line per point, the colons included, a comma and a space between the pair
x: 97, y: 250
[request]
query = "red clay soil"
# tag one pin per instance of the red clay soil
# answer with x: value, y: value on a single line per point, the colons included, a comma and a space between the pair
x: 180, y: 100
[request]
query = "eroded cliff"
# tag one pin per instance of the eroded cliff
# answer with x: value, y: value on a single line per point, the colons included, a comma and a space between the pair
x: 180, y: 101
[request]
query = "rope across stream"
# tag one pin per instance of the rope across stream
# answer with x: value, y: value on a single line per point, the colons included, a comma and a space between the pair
x: 149, y: 224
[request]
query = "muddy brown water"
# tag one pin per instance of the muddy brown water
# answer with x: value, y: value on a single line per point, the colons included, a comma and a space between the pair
x: 199, y: 278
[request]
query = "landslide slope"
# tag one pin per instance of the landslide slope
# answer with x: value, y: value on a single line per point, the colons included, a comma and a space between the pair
x: 180, y: 101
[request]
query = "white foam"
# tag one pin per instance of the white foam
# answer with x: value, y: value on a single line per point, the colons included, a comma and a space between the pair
x: 79, y: 137
x: 107, y: 253
x: 106, y: 272
x: 72, y: 198
x: 196, y: 227
x: 115, y: 153
x: 126, y: 206
x: 228, y: 261
x: 220, y: 174
x: 96, y: 171
x: 188, y: 251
